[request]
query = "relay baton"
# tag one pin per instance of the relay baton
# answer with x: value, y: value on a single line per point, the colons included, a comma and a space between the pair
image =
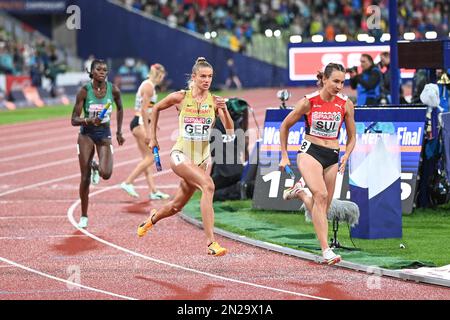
x: 289, y: 171
x: 104, y: 110
x: 157, y: 159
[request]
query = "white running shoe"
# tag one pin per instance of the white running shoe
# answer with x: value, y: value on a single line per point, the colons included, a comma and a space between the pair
x: 330, y: 257
x: 291, y: 193
x: 83, y: 222
x: 95, y: 175
x: 158, y: 195
x: 129, y: 188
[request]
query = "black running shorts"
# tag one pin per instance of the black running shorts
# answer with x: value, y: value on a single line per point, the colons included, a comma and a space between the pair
x: 326, y: 156
x: 134, y: 123
x: 96, y: 133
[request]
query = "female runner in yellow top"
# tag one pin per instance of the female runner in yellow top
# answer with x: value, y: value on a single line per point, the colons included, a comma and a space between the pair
x: 191, y: 153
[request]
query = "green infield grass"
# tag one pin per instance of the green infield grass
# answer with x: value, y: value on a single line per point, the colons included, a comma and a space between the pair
x: 426, y: 234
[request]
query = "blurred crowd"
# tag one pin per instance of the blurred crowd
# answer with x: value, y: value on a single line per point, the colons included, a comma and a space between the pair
x: 237, y: 21
x: 37, y: 59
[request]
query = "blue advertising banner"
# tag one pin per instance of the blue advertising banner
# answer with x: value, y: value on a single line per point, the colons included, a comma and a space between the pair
x: 406, y: 122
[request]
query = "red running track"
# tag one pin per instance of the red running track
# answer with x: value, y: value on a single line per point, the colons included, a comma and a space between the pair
x: 44, y: 256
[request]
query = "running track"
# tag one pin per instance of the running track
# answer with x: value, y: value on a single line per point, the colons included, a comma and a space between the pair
x: 44, y: 256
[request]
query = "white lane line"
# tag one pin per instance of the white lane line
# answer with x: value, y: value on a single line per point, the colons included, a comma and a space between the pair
x: 64, y: 161
x: 34, y: 143
x: 47, y: 182
x: 41, y: 201
x: 30, y: 217
x: 48, y: 133
x: 126, y: 250
x: 41, y: 166
x: 60, y: 137
x: 34, y: 154
x: 45, y: 236
x: 209, y: 275
x: 64, y: 280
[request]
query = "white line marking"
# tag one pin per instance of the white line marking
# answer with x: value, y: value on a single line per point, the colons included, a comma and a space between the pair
x: 48, y: 133
x: 45, y: 165
x: 34, y: 154
x: 210, y: 275
x: 30, y: 217
x: 64, y: 281
x: 34, y: 143
x: 77, y: 175
x: 59, y: 162
x: 71, y: 219
x: 45, y: 236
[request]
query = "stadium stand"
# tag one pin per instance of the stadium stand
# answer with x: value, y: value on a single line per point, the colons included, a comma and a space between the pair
x: 30, y: 62
x: 242, y: 25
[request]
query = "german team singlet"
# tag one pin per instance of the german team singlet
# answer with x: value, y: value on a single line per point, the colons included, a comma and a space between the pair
x: 93, y: 106
x: 195, y: 123
x: 324, y: 120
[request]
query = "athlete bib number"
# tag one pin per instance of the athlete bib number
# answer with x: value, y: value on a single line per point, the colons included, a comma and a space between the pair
x: 305, y: 146
x: 177, y: 157
x: 196, y: 129
x: 96, y: 109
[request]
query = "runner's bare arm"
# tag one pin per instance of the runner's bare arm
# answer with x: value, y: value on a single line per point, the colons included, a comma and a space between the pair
x: 169, y: 101
x: 224, y: 115
x: 78, y: 107
x: 118, y: 102
x: 147, y: 92
x: 301, y: 108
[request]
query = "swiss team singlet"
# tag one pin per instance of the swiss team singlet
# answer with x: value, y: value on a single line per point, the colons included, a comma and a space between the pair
x: 324, y: 120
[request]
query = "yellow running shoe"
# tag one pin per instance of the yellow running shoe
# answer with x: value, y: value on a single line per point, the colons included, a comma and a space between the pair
x: 216, y: 250
x: 146, y: 225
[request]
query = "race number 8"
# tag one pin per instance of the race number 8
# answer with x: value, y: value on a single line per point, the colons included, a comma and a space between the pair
x: 305, y: 146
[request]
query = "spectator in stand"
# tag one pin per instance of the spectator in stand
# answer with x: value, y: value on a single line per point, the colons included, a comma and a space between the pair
x: 127, y: 67
x: 367, y: 83
x: 142, y: 69
x: 6, y: 61
x: 348, y: 17
x: 232, y: 76
x: 384, y: 67
x: 36, y: 73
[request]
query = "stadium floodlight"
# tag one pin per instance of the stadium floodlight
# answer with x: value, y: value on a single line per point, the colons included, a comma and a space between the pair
x: 295, y: 39
x: 431, y: 35
x: 385, y: 37
x: 213, y: 34
x: 340, y: 38
x: 317, y: 38
x: 207, y: 35
x: 362, y: 37
x: 268, y: 33
x: 370, y: 39
x: 409, y: 36
x: 277, y: 33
